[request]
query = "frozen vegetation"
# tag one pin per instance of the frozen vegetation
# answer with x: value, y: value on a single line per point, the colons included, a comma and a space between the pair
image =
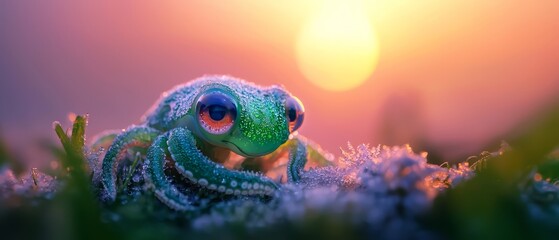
x: 383, y: 188
x: 369, y: 192
x: 383, y: 191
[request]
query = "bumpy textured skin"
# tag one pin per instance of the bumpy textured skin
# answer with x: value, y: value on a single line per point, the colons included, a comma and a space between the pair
x: 170, y: 129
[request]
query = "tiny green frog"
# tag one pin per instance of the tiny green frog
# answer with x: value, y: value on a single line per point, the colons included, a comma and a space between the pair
x: 198, y: 125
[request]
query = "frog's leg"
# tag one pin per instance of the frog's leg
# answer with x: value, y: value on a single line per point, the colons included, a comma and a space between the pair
x: 198, y: 168
x: 134, y: 136
x: 103, y: 139
x: 301, y: 153
x: 298, y: 148
x: 297, y: 159
x: 155, y: 177
x: 317, y: 156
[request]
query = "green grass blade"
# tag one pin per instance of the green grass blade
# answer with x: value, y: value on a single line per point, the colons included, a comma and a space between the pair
x: 131, y: 171
x: 78, y: 132
x: 64, y: 139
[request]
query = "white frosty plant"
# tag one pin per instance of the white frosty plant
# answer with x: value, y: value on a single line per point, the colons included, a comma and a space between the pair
x: 383, y: 187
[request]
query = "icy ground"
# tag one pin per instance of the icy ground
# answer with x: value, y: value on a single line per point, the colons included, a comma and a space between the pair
x: 382, y: 189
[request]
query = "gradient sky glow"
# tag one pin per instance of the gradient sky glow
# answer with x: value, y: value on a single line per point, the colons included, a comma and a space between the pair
x: 457, y: 73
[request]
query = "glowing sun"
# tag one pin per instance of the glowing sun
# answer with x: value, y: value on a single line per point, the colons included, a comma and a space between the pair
x: 337, y: 48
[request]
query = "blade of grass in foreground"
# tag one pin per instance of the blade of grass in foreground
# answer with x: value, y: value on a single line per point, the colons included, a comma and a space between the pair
x: 80, y: 213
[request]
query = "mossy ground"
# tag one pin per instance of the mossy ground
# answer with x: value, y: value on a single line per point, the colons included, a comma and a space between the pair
x: 512, y: 196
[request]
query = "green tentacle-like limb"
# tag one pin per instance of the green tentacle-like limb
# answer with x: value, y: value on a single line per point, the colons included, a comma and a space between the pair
x: 191, y: 163
x: 134, y: 136
x: 297, y: 159
x: 300, y: 149
x: 301, y: 153
x: 155, y: 177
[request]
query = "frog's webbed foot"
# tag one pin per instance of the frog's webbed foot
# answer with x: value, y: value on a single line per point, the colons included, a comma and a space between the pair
x: 134, y: 136
x: 300, y: 149
x: 198, y: 168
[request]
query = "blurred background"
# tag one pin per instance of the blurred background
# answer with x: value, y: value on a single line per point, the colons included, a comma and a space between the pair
x: 449, y: 77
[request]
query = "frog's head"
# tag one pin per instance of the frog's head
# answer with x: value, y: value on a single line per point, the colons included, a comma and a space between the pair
x: 249, y: 120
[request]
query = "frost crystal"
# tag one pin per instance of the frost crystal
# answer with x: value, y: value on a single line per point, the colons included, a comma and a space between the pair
x: 385, y: 188
x: 33, y: 184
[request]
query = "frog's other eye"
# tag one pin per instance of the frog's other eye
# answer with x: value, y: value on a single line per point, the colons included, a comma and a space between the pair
x: 216, y: 112
x: 295, y: 113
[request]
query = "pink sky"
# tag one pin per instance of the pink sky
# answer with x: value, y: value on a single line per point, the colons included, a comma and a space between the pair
x: 455, y: 74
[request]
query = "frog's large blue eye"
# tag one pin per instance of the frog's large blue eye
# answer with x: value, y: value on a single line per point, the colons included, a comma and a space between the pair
x: 216, y: 112
x: 295, y: 113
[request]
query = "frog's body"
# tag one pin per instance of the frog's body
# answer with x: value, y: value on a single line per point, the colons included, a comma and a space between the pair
x: 198, y: 124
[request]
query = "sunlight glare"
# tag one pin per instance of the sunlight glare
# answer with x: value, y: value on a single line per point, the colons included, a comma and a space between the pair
x: 337, y: 48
